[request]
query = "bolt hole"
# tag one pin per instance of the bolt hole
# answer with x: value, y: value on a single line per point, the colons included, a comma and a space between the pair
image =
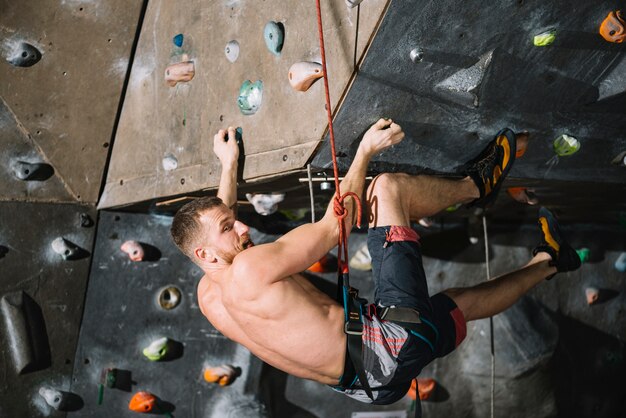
x: 461, y: 35
x: 67, y: 361
x: 86, y: 361
x: 25, y: 54
x: 66, y: 252
x: 116, y: 218
x: 38, y: 132
x: 135, y: 252
x: 166, y: 295
x: 109, y: 40
x: 105, y: 145
x: 122, y: 182
x: 290, y: 76
x: 80, y: 9
x: 182, y: 181
x: 27, y: 171
x: 285, y: 157
x: 271, y: 36
x: 612, y: 33
x: 64, y: 73
x: 169, y: 298
x: 57, y: 399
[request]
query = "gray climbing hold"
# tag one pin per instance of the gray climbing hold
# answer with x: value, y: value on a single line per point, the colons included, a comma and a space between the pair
x: 265, y: 204
x: 416, y: 55
x: 464, y: 85
x: 250, y: 97
x: 274, y: 37
x: 65, y: 248
x: 24, y: 55
x: 169, y: 163
x: 54, y: 398
x: 232, y: 51
x: 26, y: 171
x: 353, y: 3
x: 26, y: 336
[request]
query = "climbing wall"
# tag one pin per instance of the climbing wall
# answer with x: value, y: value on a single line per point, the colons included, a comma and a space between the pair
x: 163, y: 146
x: 41, y: 302
x: 62, y: 72
x: 452, y: 78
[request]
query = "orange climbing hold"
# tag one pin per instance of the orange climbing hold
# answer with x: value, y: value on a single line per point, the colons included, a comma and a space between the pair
x: 425, y: 387
x: 179, y: 73
x: 325, y: 264
x: 142, y: 402
x: 592, y: 294
x: 222, y: 375
x: 613, y: 28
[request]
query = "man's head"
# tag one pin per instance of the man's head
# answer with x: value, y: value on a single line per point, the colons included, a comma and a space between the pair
x: 206, y: 231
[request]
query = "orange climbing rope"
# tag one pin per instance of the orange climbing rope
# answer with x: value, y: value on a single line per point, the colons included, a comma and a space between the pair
x: 338, y: 205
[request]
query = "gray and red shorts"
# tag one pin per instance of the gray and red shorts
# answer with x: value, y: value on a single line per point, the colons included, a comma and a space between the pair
x: 392, y: 355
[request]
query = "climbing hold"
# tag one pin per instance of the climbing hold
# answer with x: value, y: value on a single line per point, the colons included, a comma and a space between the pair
x: 326, y: 185
x: 250, y: 97
x: 157, y: 349
x: 303, y: 74
x: 422, y: 387
x: 178, y: 40
x: 565, y: 145
x: 222, y: 375
x: 361, y: 260
x: 416, y: 54
x: 353, y: 3
x: 613, y: 28
x: 274, y: 35
x: 142, y: 402
x: 24, y: 55
x: 54, y: 398
x: 523, y: 195
x: 68, y: 250
x: 464, y: 85
x: 232, y: 51
x: 179, y: 73
x: 25, y: 331
x: 265, y: 204
x: 25, y: 171
x: 326, y: 264
x: 85, y: 220
x: 453, y: 208
x: 545, y: 38
x: 583, y: 254
x: 425, y: 222
x: 134, y: 249
x: 169, y: 163
x: 108, y: 377
x: 592, y: 294
x: 169, y: 298
x: 620, y: 263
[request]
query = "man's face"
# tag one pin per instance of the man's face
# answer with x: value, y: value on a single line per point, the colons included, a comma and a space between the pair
x: 223, y: 234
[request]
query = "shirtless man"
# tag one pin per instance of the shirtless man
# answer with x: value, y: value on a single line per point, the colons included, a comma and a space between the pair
x: 256, y: 296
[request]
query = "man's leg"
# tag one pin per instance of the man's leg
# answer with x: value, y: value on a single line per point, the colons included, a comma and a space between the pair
x: 492, y: 297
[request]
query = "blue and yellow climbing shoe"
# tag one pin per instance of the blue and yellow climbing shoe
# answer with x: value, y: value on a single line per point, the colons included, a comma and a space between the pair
x: 491, y: 166
x: 564, y: 257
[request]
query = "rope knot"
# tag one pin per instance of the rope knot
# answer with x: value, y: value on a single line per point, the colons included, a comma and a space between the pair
x: 340, y: 210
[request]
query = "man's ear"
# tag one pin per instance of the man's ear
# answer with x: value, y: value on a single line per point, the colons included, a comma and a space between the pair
x: 204, y: 255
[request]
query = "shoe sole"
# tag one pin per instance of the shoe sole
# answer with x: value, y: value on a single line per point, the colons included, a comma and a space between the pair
x: 550, y: 229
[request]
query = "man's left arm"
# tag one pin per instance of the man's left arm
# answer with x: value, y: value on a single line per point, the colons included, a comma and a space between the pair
x: 227, y: 151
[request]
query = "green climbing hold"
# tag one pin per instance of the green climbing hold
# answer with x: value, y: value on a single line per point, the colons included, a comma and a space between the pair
x: 565, y: 145
x: 453, y: 207
x: 583, y: 254
x: 546, y: 38
x: 274, y: 37
x: 250, y: 97
x: 157, y: 350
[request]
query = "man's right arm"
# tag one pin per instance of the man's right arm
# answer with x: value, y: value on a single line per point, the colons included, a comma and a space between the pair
x: 227, y: 151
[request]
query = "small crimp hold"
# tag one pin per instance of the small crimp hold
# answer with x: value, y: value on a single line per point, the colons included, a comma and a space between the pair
x: 55, y: 398
x: 303, y: 74
x: 546, y: 38
x: 178, y: 40
x: 179, y: 73
x: 24, y: 55
x: 65, y: 248
x: 142, y: 402
x: 232, y: 51
x: 274, y: 37
x: 223, y: 375
x: 583, y: 254
x: 592, y: 294
x: 565, y: 145
x: 157, y: 349
x: 613, y: 28
x: 265, y: 204
x: 134, y: 249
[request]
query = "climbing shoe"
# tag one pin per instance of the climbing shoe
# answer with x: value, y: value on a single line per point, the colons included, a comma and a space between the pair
x: 491, y: 166
x: 564, y: 257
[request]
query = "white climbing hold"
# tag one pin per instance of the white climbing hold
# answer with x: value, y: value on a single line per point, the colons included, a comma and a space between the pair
x: 265, y: 204
x: 620, y: 263
x: 232, y: 51
x: 64, y: 248
x: 169, y: 163
x: 463, y: 85
x: 53, y: 397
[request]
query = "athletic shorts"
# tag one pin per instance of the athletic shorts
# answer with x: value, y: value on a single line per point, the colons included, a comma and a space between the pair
x: 392, y: 355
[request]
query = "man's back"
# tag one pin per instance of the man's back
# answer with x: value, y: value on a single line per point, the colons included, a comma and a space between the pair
x: 288, y: 323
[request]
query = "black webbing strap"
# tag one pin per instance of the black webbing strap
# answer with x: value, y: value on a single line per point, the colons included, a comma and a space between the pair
x: 353, y: 327
x: 409, y: 319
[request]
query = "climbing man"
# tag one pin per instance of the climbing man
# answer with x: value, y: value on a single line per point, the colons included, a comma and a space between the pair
x: 256, y: 296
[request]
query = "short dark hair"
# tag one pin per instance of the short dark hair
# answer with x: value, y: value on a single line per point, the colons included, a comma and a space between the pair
x: 186, y: 224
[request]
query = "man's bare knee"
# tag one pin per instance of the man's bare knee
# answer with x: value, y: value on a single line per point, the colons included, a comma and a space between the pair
x: 384, y: 184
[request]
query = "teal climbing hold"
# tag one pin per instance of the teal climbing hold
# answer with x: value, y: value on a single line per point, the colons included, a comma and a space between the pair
x: 250, y: 97
x: 583, y: 254
x: 274, y: 37
x: 178, y: 40
x: 546, y: 38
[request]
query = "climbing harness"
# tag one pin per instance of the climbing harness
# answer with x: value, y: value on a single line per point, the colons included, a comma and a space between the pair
x: 493, y: 351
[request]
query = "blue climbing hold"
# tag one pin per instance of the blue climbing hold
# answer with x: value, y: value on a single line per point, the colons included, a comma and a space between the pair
x: 274, y: 37
x: 178, y: 40
x: 250, y: 97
